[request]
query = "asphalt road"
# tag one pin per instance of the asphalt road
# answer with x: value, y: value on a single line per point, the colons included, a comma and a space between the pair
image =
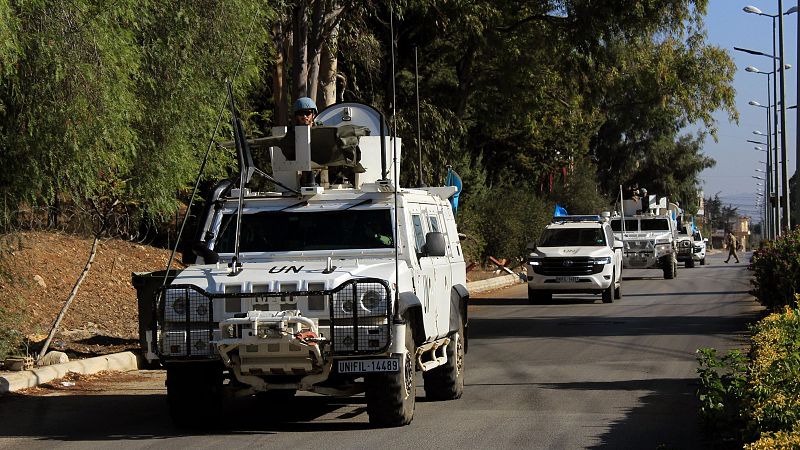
x: 575, y: 373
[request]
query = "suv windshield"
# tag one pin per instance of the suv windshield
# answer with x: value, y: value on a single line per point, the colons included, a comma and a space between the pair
x: 655, y: 225
x: 573, y: 237
x: 279, y: 231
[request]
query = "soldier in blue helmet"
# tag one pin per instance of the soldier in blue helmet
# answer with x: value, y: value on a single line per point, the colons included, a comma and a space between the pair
x: 304, y: 111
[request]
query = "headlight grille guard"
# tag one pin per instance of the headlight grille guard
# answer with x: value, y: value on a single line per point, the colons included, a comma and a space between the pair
x: 354, y: 329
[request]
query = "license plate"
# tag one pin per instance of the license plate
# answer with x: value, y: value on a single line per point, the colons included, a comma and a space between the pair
x: 567, y: 279
x: 369, y: 365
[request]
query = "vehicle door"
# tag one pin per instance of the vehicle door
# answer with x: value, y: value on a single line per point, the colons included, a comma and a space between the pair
x: 424, y: 270
x: 610, y: 239
x: 442, y: 272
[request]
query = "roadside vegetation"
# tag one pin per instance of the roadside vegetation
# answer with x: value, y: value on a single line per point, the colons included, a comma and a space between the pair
x: 753, y: 398
x: 532, y: 104
x: 10, y: 336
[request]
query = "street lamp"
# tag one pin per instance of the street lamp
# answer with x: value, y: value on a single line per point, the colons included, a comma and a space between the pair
x: 785, y: 169
x: 772, y: 146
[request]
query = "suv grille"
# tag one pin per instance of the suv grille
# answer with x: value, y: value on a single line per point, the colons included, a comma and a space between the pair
x: 567, y: 266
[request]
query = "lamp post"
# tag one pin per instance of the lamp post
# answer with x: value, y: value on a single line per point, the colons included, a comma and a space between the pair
x: 773, y: 142
x: 772, y: 218
x: 787, y: 222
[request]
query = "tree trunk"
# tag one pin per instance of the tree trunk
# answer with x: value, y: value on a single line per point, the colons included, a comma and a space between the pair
x: 71, y: 297
x: 300, y: 41
x: 328, y: 68
x: 278, y: 80
x: 315, y: 47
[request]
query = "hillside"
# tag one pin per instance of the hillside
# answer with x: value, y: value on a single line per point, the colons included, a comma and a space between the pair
x: 39, y: 270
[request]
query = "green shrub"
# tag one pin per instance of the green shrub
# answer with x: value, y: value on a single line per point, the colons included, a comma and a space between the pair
x: 722, y: 392
x: 755, y: 399
x: 776, y: 267
x: 774, y: 374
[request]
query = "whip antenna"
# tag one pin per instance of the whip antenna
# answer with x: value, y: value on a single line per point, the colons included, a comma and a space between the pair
x: 420, y: 182
x: 205, y: 158
x: 395, y: 177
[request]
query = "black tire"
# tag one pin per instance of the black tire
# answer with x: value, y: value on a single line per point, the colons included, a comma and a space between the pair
x: 669, y: 268
x: 690, y: 263
x: 194, y: 394
x: 618, y: 292
x: 391, y: 396
x: 539, y: 297
x: 608, y: 294
x: 446, y: 382
x: 703, y: 262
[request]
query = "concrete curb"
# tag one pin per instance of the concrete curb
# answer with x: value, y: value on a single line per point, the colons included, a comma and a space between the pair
x: 493, y: 283
x: 15, y: 381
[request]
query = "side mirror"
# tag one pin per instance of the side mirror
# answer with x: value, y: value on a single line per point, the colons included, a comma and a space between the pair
x: 705, y: 240
x: 531, y: 246
x: 435, y: 245
x: 209, y: 256
x: 617, y: 244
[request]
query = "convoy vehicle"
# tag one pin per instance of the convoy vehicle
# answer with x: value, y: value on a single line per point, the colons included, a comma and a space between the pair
x: 333, y: 286
x: 575, y: 254
x: 649, y: 237
x: 699, y: 247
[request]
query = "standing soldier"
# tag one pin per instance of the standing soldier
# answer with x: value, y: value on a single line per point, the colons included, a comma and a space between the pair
x: 731, y: 242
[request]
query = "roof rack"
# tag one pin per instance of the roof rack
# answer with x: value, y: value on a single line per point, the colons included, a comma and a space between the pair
x: 582, y: 218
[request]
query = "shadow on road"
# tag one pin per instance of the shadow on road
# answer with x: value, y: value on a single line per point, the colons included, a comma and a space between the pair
x: 558, y: 299
x: 582, y: 326
x: 669, y: 404
x: 97, y: 417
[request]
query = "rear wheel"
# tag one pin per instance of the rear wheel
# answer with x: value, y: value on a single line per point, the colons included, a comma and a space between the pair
x: 446, y: 382
x: 391, y: 396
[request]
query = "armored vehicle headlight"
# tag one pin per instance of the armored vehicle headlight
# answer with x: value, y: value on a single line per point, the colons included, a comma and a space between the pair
x: 179, y: 305
x: 602, y: 261
x: 663, y: 247
x: 372, y: 300
x: 343, y: 301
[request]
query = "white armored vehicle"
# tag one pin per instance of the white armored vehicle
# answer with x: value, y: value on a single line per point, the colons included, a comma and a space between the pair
x: 338, y: 282
x: 649, y: 235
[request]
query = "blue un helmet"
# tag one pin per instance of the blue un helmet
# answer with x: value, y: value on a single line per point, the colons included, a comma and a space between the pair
x: 304, y: 103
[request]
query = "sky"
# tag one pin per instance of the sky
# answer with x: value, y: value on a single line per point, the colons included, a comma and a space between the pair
x: 737, y: 160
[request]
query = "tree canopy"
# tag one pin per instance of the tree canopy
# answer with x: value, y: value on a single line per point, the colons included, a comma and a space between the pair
x: 541, y: 102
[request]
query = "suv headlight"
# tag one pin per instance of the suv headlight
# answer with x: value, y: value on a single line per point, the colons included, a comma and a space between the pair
x: 602, y: 261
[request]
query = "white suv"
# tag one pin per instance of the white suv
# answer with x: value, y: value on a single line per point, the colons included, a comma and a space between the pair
x: 575, y: 254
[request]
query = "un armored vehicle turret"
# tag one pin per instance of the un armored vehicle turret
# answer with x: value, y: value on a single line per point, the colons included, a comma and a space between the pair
x: 336, y: 282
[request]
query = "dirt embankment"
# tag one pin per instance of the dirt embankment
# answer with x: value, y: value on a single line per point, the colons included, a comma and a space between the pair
x: 41, y: 268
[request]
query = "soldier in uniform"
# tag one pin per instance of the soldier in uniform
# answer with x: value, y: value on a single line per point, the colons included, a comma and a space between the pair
x: 730, y: 240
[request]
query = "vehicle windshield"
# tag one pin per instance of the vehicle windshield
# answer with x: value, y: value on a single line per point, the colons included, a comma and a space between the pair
x: 655, y: 225
x: 573, y: 237
x: 630, y: 225
x: 281, y: 231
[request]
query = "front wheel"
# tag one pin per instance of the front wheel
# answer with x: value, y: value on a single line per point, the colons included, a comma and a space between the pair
x: 446, y: 382
x: 194, y: 394
x: 703, y: 262
x: 391, y: 396
x: 690, y: 263
x: 670, y: 268
x: 537, y: 297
